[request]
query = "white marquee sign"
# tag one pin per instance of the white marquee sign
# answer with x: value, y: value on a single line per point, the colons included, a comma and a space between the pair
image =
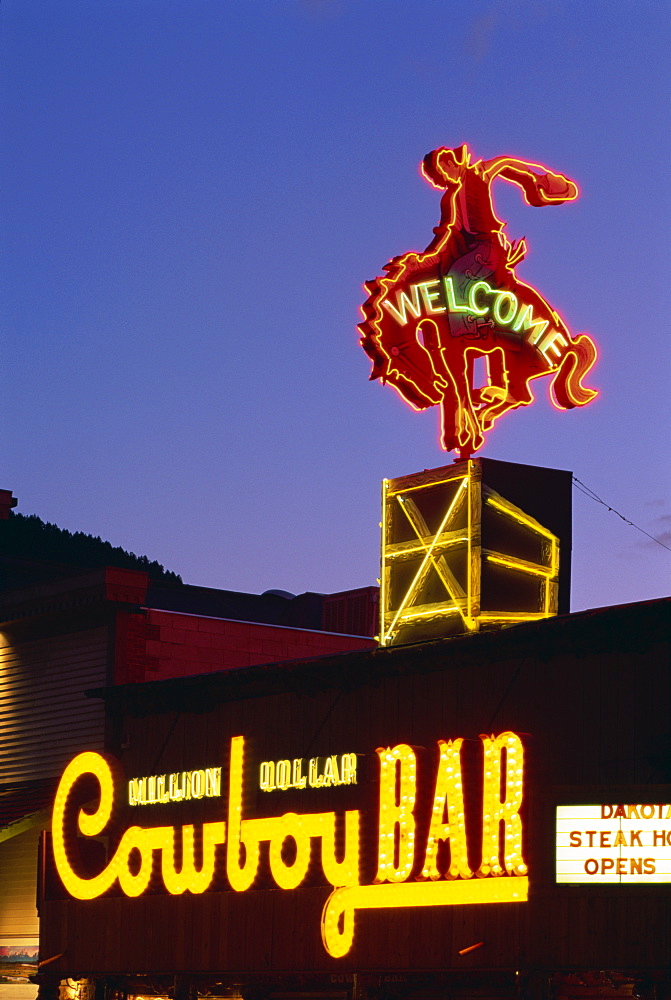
x: 614, y: 843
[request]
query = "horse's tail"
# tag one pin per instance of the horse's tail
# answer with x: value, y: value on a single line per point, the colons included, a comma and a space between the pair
x: 567, y: 386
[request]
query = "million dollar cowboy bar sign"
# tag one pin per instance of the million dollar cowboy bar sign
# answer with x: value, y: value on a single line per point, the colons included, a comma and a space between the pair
x: 436, y: 314
x: 446, y: 821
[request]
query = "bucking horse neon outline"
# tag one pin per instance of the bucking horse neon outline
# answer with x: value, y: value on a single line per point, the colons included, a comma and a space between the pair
x: 434, y: 313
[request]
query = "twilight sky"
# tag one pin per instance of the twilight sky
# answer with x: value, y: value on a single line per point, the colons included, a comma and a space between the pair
x: 194, y: 192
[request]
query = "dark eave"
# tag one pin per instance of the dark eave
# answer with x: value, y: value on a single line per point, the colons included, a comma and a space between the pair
x: 627, y: 628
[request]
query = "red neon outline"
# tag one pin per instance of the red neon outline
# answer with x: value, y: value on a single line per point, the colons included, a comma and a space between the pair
x: 425, y: 360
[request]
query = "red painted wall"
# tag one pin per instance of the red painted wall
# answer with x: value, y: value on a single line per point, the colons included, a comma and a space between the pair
x: 155, y: 645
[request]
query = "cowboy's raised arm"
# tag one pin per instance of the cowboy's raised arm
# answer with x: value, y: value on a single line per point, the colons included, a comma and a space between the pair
x: 539, y: 185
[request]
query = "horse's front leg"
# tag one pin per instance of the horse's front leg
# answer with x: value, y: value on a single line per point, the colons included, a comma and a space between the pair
x: 461, y: 429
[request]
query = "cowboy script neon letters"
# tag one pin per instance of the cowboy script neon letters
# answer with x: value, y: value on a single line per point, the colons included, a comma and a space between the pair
x: 502, y: 874
x: 435, y: 315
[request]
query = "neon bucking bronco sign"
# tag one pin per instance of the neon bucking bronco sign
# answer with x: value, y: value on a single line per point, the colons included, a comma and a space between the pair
x: 433, y: 314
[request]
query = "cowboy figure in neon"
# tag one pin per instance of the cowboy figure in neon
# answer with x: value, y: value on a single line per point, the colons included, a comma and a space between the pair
x: 434, y: 313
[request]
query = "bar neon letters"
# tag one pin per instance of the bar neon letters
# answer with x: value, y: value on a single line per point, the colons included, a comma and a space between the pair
x: 502, y: 874
x: 177, y: 787
x: 322, y: 772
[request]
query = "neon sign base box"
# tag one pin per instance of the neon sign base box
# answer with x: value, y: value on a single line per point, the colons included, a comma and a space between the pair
x: 473, y: 545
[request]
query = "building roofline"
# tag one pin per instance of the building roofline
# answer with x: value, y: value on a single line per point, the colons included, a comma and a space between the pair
x: 627, y: 627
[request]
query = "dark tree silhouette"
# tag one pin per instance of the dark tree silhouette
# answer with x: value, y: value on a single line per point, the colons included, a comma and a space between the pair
x: 32, y: 549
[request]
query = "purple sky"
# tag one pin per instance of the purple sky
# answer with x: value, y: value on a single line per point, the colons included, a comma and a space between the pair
x: 194, y: 192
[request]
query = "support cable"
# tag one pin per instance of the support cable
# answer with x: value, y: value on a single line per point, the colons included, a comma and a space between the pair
x: 579, y: 485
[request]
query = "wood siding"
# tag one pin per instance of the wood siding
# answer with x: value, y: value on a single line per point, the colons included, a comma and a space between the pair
x: 45, y: 717
x: 18, y: 881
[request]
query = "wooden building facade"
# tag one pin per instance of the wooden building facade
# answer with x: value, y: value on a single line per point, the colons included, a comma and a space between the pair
x: 378, y: 824
x: 77, y: 630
